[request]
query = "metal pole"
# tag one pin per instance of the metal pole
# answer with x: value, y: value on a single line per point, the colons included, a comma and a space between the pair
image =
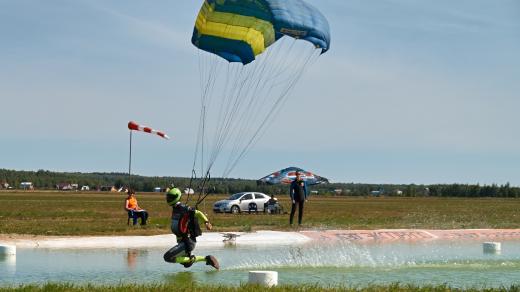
x: 130, y: 162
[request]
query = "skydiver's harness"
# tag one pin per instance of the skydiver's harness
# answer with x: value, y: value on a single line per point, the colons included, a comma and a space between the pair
x: 185, y: 224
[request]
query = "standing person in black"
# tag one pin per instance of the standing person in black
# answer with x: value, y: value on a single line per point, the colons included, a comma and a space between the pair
x: 298, y: 193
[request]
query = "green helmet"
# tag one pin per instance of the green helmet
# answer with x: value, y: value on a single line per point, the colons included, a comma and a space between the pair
x: 173, y: 196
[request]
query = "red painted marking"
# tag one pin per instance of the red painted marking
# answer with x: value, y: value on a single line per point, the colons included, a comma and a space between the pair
x: 367, y: 236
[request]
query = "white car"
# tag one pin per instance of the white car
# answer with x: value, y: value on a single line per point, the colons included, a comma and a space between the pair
x: 239, y: 202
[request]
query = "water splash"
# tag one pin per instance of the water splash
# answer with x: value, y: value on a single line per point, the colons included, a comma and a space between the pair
x: 350, y: 255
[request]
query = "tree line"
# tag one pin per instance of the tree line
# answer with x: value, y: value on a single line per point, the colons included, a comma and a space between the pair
x: 47, y: 180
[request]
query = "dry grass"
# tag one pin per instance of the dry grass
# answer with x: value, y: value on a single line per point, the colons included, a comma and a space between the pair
x: 59, y: 213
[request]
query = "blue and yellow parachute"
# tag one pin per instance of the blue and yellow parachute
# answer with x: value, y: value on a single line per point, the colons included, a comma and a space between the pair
x: 239, y: 30
x: 240, y: 98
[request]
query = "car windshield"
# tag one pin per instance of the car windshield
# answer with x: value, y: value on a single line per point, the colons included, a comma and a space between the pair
x: 236, y: 196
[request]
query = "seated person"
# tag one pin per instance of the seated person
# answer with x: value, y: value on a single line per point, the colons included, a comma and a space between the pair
x: 134, y: 211
x: 272, y: 206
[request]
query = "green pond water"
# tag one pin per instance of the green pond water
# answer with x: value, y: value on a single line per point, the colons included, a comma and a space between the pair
x: 458, y: 264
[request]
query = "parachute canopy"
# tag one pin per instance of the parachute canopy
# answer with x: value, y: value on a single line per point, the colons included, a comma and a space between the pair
x: 287, y: 175
x: 239, y: 30
x: 238, y: 102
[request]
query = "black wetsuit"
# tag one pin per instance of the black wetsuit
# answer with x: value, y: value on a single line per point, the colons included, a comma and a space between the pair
x: 298, y: 194
x: 185, y: 226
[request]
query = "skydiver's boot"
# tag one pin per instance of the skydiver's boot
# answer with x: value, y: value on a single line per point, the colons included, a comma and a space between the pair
x: 186, y: 261
x: 191, y: 262
x: 212, y: 261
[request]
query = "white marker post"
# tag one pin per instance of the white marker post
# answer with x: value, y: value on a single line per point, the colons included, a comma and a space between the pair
x: 263, y: 278
x: 7, y: 249
x: 492, y: 247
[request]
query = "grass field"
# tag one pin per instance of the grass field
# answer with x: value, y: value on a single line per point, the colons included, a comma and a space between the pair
x: 71, y: 213
x: 245, y: 288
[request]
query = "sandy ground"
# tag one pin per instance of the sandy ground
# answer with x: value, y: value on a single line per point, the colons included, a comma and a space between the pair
x: 213, y: 239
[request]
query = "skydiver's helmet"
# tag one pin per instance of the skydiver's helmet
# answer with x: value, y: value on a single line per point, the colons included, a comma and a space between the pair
x: 173, y: 196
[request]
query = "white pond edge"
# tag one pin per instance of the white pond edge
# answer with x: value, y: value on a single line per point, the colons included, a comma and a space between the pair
x: 210, y: 239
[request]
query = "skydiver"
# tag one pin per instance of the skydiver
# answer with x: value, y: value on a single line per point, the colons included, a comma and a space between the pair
x: 298, y: 193
x: 185, y: 225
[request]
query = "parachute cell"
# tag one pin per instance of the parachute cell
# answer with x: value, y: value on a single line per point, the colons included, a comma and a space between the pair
x: 240, y: 30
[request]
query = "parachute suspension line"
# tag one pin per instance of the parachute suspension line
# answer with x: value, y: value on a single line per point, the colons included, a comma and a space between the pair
x: 202, y: 79
x: 202, y: 193
x: 229, y: 116
x: 245, y: 98
x: 207, y: 83
x: 274, y: 110
x: 218, y: 138
x: 190, y: 186
x: 273, y: 107
x: 251, y: 96
x: 206, y: 102
x: 252, y: 93
x: 225, y: 116
x: 284, y: 59
x: 311, y: 60
x: 254, y: 102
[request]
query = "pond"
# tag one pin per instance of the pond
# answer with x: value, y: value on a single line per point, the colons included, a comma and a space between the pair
x: 456, y: 263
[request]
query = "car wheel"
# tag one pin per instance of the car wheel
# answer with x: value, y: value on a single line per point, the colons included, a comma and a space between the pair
x: 235, y: 210
x: 252, y: 207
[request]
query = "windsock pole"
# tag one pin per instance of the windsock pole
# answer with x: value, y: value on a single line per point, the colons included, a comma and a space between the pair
x: 133, y: 126
x: 130, y: 162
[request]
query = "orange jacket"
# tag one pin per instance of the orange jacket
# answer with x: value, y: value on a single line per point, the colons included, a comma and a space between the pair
x: 131, y: 203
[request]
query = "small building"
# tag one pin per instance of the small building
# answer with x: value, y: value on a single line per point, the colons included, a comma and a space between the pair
x: 4, y: 185
x: 27, y: 185
x: 85, y: 188
x: 338, y: 192
x: 399, y: 192
x: 314, y: 192
x: 64, y: 187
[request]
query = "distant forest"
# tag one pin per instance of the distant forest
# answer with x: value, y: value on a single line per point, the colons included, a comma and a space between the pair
x: 47, y: 180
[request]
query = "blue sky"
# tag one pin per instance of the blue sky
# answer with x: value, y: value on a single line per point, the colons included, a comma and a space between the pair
x: 410, y: 92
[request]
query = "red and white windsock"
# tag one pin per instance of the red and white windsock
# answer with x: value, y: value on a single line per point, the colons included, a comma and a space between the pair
x: 133, y: 126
